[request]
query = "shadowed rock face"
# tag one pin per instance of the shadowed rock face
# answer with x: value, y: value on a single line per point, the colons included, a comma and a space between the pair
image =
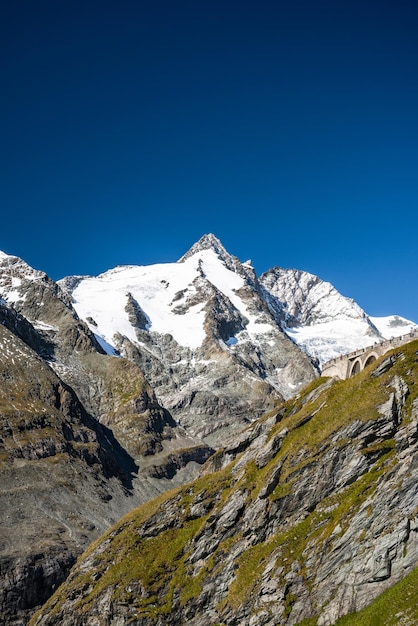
x: 309, y: 513
x: 59, y: 470
x: 65, y: 477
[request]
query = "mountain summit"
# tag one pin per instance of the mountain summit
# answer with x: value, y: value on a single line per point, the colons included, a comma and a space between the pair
x: 207, y: 242
x: 201, y: 331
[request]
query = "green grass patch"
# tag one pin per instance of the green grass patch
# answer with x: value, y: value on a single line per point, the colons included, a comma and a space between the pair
x: 394, y: 607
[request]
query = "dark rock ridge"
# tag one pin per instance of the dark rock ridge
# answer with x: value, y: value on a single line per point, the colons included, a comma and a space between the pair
x: 45, y: 305
x: 309, y: 515
x: 63, y: 479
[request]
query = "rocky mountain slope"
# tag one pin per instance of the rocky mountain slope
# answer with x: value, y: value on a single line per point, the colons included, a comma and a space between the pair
x: 308, y: 516
x: 40, y: 313
x: 83, y: 439
x: 64, y: 479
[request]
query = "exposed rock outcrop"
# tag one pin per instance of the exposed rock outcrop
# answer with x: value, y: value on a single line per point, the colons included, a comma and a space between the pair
x: 319, y: 319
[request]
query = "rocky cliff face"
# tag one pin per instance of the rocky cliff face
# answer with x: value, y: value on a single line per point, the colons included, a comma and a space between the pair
x: 304, y: 299
x: 63, y: 478
x: 309, y: 515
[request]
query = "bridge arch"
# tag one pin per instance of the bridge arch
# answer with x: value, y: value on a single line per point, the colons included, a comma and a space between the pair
x: 370, y: 359
x: 347, y: 365
x: 355, y: 368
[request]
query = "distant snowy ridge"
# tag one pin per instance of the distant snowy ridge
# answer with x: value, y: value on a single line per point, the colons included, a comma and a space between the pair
x: 320, y: 320
x: 310, y: 311
x: 393, y: 326
x: 170, y: 297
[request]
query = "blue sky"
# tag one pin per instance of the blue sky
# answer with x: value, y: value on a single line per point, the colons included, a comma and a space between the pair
x: 288, y: 129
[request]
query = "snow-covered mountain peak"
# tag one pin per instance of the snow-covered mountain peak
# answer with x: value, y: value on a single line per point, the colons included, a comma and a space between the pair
x: 17, y: 266
x: 173, y: 297
x: 207, y: 242
x: 305, y: 299
x: 319, y: 319
x: 204, y: 328
x: 210, y: 249
x: 15, y: 275
x: 198, y: 327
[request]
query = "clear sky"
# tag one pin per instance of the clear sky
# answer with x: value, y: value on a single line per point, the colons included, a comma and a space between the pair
x: 289, y: 129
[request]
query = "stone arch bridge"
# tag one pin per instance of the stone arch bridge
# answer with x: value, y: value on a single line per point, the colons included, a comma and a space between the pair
x: 348, y: 365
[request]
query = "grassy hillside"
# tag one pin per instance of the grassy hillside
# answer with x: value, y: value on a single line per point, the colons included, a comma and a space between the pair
x: 314, y: 516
